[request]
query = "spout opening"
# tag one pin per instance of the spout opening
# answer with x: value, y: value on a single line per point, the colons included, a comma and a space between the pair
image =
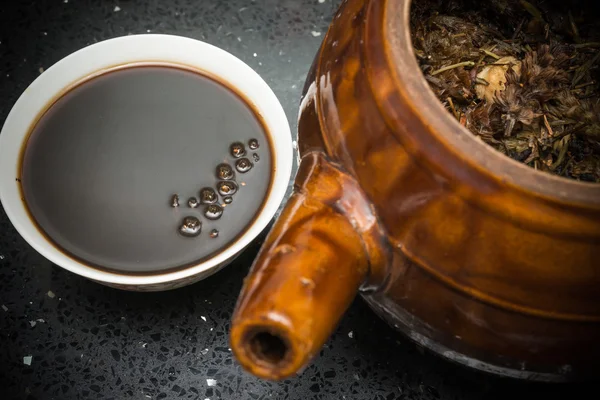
x: 268, y: 348
x: 268, y: 351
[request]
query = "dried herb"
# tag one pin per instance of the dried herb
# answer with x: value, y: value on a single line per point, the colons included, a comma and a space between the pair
x: 520, y: 75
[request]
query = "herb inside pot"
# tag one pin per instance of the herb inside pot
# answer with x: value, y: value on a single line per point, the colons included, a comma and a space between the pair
x: 520, y: 75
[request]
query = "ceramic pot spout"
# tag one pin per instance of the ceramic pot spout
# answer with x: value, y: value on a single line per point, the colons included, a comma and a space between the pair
x: 306, y: 275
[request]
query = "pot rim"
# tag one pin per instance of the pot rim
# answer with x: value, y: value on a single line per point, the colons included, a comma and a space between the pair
x: 402, y: 64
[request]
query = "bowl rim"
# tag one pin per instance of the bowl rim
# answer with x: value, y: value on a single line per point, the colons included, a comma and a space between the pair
x: 119, y: 52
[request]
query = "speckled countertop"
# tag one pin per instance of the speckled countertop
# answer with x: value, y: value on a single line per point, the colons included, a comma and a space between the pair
x: 89, y: 341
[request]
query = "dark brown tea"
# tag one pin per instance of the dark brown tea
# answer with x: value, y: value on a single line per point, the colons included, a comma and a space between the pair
x: 134, y: 170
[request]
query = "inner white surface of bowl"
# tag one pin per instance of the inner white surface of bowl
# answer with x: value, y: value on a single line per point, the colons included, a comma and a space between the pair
x: 153, y: 49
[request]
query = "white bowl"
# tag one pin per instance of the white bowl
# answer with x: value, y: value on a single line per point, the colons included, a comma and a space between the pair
x: 153, y: 49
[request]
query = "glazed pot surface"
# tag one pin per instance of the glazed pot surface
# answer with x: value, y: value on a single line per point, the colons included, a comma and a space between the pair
x: 482, y: 259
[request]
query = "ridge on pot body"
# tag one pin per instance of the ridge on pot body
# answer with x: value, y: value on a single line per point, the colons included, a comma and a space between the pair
x: 479, y: 258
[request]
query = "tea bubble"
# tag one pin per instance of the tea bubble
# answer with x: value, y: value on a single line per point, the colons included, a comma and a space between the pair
x: 225, y: 172
x: 227, y: 199
x: 243, y: 165
x: 253, y: 144
x: 227, y: 188
x: 237, y: 149
x: 190, y: 227
x: 255, y: 157
x: 174, y: 201
x: 213, y: 211
x: 214, y: 233
x: 193, y: 202
x: 208, y: 196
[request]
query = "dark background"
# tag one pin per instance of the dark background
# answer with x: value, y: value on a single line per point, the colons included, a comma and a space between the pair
x: 90, y: 341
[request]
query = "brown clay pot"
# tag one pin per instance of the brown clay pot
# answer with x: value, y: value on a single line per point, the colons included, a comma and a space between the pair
x: 481, y: 259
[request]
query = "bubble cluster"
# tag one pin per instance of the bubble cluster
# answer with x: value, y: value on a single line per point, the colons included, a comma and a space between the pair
x: 243, y: 165
x: 237, y: 150
x: 225, y: 172
x: 190, y: 227
x: 213, y: 211
x: 253, y: 144
x: 208, y: 196
x: 227, y: 188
